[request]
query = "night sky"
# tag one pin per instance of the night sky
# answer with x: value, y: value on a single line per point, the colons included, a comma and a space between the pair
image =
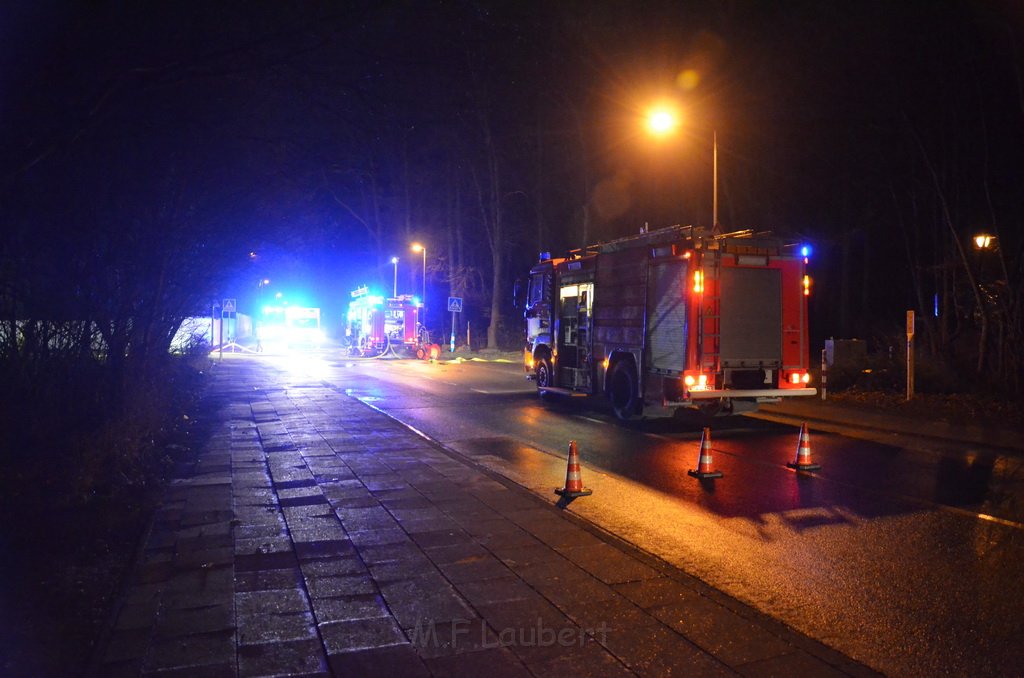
x: 148, y: 148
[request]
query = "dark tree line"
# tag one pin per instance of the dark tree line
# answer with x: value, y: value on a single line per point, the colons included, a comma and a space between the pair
x: 149, y: 149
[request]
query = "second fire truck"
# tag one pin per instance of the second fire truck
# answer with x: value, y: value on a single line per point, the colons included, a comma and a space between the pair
x: 672, y: 318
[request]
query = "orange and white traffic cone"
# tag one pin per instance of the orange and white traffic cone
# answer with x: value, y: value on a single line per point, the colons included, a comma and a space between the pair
x: 803, y: 452
x: 704, y: 470
x: 573, y: 479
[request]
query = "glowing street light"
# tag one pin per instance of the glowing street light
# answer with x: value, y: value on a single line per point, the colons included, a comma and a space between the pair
x: 663, y: 120
x: 417, y: 247
x: 394, y: 260
x: 984, y: 241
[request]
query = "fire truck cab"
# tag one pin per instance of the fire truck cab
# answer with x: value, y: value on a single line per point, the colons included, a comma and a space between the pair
x: 672, y: 318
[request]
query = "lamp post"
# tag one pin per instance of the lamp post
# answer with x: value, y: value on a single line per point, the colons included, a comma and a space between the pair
x: 394, y: 260
x: 663, y: 121
x: 417, y: 247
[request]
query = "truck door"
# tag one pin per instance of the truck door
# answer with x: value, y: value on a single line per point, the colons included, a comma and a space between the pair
x: 575, y: 337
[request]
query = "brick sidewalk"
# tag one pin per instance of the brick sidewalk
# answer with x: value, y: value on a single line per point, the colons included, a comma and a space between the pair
x: 314, y: 535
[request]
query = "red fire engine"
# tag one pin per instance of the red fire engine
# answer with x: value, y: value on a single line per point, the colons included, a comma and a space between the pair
x: 377, y: 325
x: 672, y: 318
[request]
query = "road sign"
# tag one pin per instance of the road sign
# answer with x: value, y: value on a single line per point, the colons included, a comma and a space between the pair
x: 228, y: 306
x: 455, y: 304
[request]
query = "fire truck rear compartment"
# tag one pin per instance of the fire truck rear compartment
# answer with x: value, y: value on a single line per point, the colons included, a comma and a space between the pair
x: 750, y: 352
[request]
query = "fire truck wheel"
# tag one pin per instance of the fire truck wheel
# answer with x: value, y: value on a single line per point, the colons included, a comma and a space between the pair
x: 622, y: 390
x: 544, y: 377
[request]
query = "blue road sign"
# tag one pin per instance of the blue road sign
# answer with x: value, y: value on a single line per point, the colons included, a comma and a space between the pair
x: 455, y: 304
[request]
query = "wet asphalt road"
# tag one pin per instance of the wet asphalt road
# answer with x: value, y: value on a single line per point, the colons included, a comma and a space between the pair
x: 906, y: 558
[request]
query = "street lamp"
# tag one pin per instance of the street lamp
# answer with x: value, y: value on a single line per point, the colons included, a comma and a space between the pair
x: 663, y: 120
x: 394, y: 260
x: 416, y: 247
x: 984, y: 241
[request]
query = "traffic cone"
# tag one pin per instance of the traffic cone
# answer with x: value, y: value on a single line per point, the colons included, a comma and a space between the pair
x: 573, y: 480
x: 704, y: 470
x: 803, y: 452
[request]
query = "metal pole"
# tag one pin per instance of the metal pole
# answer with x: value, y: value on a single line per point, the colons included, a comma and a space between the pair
x: 714, y: 198
x: 394, y: 260
x: 824, y: 375
x: 910, y: 355
x: 453, y: 332
x: 425, y: 287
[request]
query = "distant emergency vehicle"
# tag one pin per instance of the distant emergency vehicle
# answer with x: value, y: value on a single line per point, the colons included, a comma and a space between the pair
x: 377, y: 325
x: 293, y: 326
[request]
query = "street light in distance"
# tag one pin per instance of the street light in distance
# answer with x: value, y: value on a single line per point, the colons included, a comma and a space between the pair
x: 417, y: 247
x: 984, y: 241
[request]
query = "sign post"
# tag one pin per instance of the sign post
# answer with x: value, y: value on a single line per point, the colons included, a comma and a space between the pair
x: 910, y: 355
x: 455, y: 306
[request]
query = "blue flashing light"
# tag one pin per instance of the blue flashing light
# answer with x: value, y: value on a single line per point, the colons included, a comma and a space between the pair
x: 376, y: 300
x: 805, y: 251
x: 416, y: 301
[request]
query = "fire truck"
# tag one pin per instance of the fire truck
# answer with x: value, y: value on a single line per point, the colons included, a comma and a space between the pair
x: 672, y: 318
x: 377, y: 325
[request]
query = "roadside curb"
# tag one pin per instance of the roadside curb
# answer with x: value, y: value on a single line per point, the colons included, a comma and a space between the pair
x: 821, y: 415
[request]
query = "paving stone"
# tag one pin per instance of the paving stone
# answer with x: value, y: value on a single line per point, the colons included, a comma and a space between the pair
x: 282, y: 601
x: 259, y: 628
x: 442, y: 537
x: 191, y: 651
x: 332, y: 587
x: 379, y: 537
x: 396, y: 660
x: 792, y: 664
x: 268, y: 580
x: 435, y: 607
x: 388, y: 552
x: 586, y: 660
x: 347, y: 608
x: 494, y: 663
x: 455, y: 552
x: 248, y: 547
x: 361, y: 634
x: 608, y: 563
x: 333, y: 567
x: 474, y: 568
x: 569, y: 592
x: 490, y: 591
x: 195, y: 620
x: 722, y: 632
x: 293, y: 658
x: 612, y: 613
x: 549, y: 572
x: 330, y: 548
x: 457, y: 636
x: 319, y: 532
x: 660, y: 651
x: 397, y: 570
x: 656, y: 592
x: 221, y: 670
